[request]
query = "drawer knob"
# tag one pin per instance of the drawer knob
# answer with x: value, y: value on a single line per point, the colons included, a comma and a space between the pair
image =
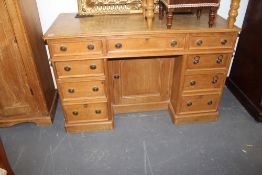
x: 63, y: 48
x: 173, y: 43
x: 193, y: 83
x: 189, y: 103
x: 196, y: 60
x: 95, y: 89
x: 210, y: 102
x: 118, y: 45
x: 93, y: 67
x: 67, y: 68
x: 199, y: 42
x: 75, y: 113
x: 116, y: 77
x: 98, y: 111
x: 219, y: 59
x: 91, y: 47
x: 215, y: 79
x: 71, y: 90
x: 224, y: 42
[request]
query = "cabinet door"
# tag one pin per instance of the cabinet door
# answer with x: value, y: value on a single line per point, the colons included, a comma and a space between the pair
x: 140, y: 80
x: 15, y: 97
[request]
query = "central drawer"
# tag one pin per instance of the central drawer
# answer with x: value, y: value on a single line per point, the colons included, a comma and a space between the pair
x: 82, y: 90
x: 121, y: 44
x: 88, y: 112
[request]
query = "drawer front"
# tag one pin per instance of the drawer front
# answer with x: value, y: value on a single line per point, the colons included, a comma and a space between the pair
x: 204, y: 81
x: 199, y: 103
x: 86, y: 112
x: 207, y: 61
x: 146, y: 44
x: 83, y: 89
x: 89, y: 47
x: 216, y: 40
x: 79, y: 68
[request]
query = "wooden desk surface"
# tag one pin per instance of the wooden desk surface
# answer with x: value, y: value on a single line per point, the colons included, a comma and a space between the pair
x: 66, y: 25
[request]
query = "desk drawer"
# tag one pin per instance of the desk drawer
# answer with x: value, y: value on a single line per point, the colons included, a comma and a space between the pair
x: 207, y: 61
x: 176, y: 42
x: 82, y: 89
x: 64, y: 48
x: 199, y: 103
x: 88, y: 112
x: 204, y: 81
x: 215, y: 40
x: 79, y: 68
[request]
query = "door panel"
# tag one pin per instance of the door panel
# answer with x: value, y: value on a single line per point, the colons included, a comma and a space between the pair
x: 141, y: 80
x: 14, y: 92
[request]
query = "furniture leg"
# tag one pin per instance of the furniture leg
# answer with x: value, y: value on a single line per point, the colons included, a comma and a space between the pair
x: 233, y: 12
x: 212, y: 16
x: 169, y: 19
x: 144, y: 7
x: 161, y: 10
x: 149, y: 13
x: 199, y: 12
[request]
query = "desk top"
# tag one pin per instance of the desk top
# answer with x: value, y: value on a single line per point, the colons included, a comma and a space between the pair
x: 67, y: 25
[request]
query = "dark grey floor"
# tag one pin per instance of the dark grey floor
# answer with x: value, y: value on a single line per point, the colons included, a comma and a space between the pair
x: 143, y: 144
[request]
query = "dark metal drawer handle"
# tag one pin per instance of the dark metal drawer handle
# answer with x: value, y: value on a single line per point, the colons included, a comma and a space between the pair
x: 91, y: 47
x: 63, y: 48
x: 93, y: 66
x: 98, y: 111
x: 196, y: 60
x: 199, y: 42
x: 75, y: 113
x: 215, y: 79
x: 193, y: 83
x: 173, y: 43
x: 67, y: 68
x: 224, y: 42
x: 210, y: 102
x: 219, y: 59
x: 118, y: 45
x: 95, y: 89
x: 71, y: 90
x: 116, y: 77
x: 189, y: 103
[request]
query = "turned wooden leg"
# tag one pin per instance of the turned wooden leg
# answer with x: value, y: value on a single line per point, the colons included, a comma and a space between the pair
x: 144, y: 7
x: 199, y: 12
x: 212, y: 16
x: 150, y: 13
x: 169, y: 20
x: 161, y: 10
x: 233, y: 12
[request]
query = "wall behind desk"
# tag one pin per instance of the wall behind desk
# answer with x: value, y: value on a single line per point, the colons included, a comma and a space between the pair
x: 50, y: 9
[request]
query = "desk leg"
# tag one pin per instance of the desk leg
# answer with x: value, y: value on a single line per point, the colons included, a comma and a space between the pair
x: 150, y: 13
x: 233, y: 13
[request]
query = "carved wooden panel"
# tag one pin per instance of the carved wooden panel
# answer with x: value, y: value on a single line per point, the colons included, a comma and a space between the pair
x: 141, y: 80
x: 14, y: 90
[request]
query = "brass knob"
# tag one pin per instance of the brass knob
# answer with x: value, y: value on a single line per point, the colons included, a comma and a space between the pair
x: 189, y: 103
x: 98, y: 111
x: 210, y: 102
x: 215, y: 79
x: 173, y: 43
x: 199, y: 42
x: 193, y: 83
x: 71, y: 90
x: 63, y: 48
x: 219, y: 59
x: 118, y: 45
x: 93, y: 66
x: 116, y: 77
x: 67, y: 68
x: 91, y: 47
x: 95, y: 89
x: 75, y: 113
x: 224, y: 42
x: 196, y: 60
